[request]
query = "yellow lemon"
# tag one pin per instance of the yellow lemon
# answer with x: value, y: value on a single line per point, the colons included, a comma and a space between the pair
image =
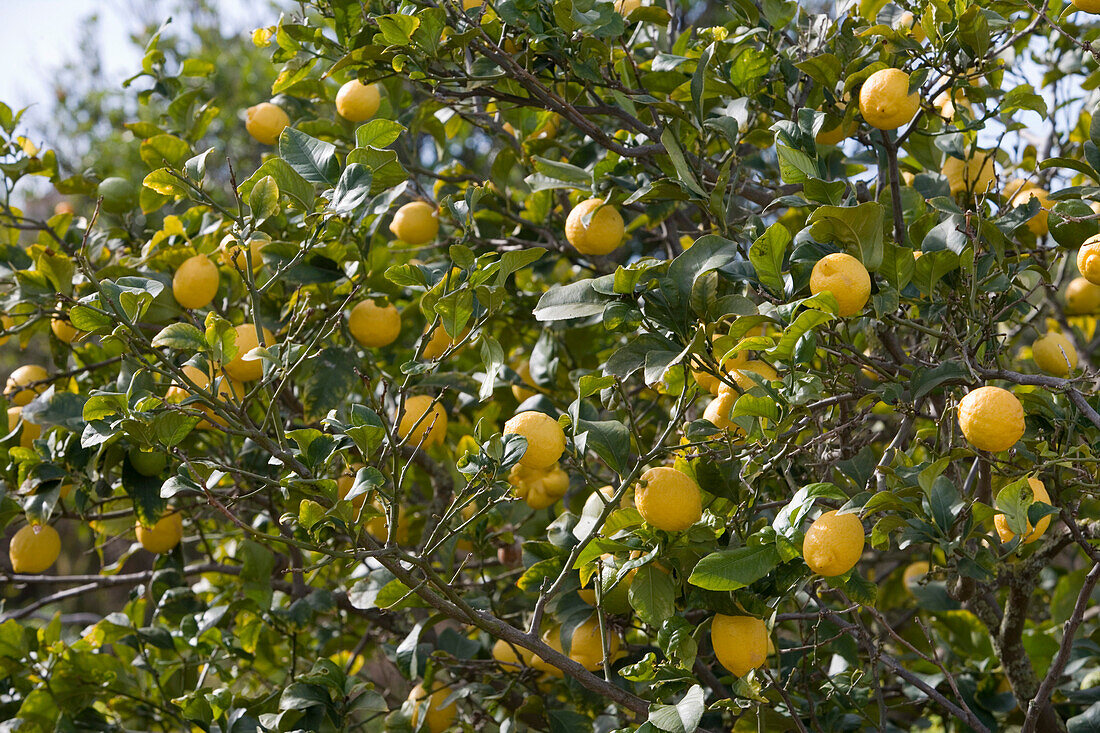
x: 1054, y: 354
x: 545, y: 438
x: 1039, y: 490
x: 908, y: 24
x: 885, y: 101
x: 235, y: 255
x: 523, y: 369
x: 379, y: 527
x: 265, y: 121
x: 717, y: 411
x: 431, y: 429
x: 31, y: 431
x: 913, y: 573
x: 973, y: 175
x: 238, y: 368
x: 228, y: 389
x: 586, y: 646
x: 991, y: 418
x: 711, y: 383
x: 834, y: 131
x: 7, y: 323
x: 196, y: 282
x: 416, y: 223
x: 947, y: 103
x: 432, y: 709
x: 539, y: 487
x: 668, y: 499
x: 20, y: 378
x: 1082, y: 297
x: 34, y: 549
x: 439, y: 343
x: 374, y: 326
x: 601, y: 235
x: 846, y: 278
x: 357, y: 102
x: 626, y: 7
x: 833, y: 544
x: 1088, y: 259
x: 1088, y: 6
x: 162, y: 536
x: 740, y: 642
x: 1020, y: 192
x: 509, y: 656
x: 746, y: 382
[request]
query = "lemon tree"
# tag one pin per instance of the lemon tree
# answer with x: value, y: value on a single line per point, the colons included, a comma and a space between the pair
x: 521, y: 365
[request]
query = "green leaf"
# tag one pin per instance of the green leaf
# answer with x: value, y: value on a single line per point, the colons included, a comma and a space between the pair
x: 263, y: 199
x: 610, y: 439
x: 352, y: 190
x: 288, y: 180
x: 858, y: 229
x: 727, y: 570
x: 314, y: 160
x: 181, y: 336
x: 162, y: 150
x: 378, y: 133
x: 397, y: 29
x: 310, y: 513
x: 652, y: 595
x: 144, y: 491
x: 455, y: 309
x: 684, y: 716
x: 795, y: 166
x: 683, y: 171
x: 163, y: 182
x: 766, y: 255
x: 575, y: 300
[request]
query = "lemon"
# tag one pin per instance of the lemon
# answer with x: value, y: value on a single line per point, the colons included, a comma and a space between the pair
x: 1054, y: 354
x: 509, y: 656
x: 885, y: 101
x: 416, y: 223
x: 238, y: 368
x: 717, y: 411
x: 162, y: 536
x: 439, y: 343
x: 908, y: 24
x: 745, y: 382
x: 432, y: 709
x: 991, y: 418
x: 833, y: 544
x: 834, y: 131
x: 585, y: 648
x: 357, y: 102
x: 545, y: 438
x: 972, y: 175
x: 235, y: 255
x: 539, y: 487
x: 711, y: 383
x: 523, y: 369
x: 913, y: 573
x: 1082, y: 297
x: 1039, y: 490
x: 22, y: 377
x: 63, y: 330
x: 374, y: 326
x: 1089, y: 6
x: 740, y: 643
x: 265, y: 121
x: 344, y: 483
x: 379, y: 527
x: 118, y: 195
x: 34, y: 549
x: 1088, y: 260
x: 228, y: 390
x: 947, y: 103
x: 668, y: 499
x: 7, y: 323
x: 196, y: 282
x: 626, y: 7
x: 147, y: 462
x: 31, y: 432
x: 431, y: 430
x: 1020, y: 192
x: 603, y: 233
x: 846, y: 278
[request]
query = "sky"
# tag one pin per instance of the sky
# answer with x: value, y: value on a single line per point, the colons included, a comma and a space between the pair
x: 37, y: 36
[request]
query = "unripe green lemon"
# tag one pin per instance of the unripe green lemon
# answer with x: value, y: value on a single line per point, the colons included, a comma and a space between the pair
x: 118, y: 194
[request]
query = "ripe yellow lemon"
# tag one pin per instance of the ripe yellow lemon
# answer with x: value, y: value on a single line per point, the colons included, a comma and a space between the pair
x: 545, y: 438
x: 162, y: 536
x: 7, y: 323
x: 1082, y: 297
x: 947, y: 103
x: 1088, y: 6
x: 439, y: 342
x: 717, y: 411
x: 31, y: 431
x: 431, y: 430
x: 908, y: 24
x: 603, y: 233
x: 20, y: 378
x: 416, y: 223
x: 586, y: 647
x: 740, y: 642
x: 265, y: 121
x: 374, y: 326
x: 626, y: 7
x: 1020, y: 192
x: 972, y: 175
x: 511, y: 657
x: 523, y: 369
x: 379, y: 527
x: 668, y: 499
x: 357, y: 102
x: 846, y: 278
x: 63, y: 330
x: 835, y: 131
x: 913, y: 573
x: 235, y: 255
x: 711, y: 383
x: 991, y: 418
x: 432, y: 709
x: 1054, y: 354
x: 539, y: 487
x: 833, y: 544
x: 238, y: 368
x: 196, y: 282
x: 34, y: 549
x: 746, y: 382
x: 1039, y: 490
x: 885, y: 101
x: 1088, y: 259
x: 228, y: 390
